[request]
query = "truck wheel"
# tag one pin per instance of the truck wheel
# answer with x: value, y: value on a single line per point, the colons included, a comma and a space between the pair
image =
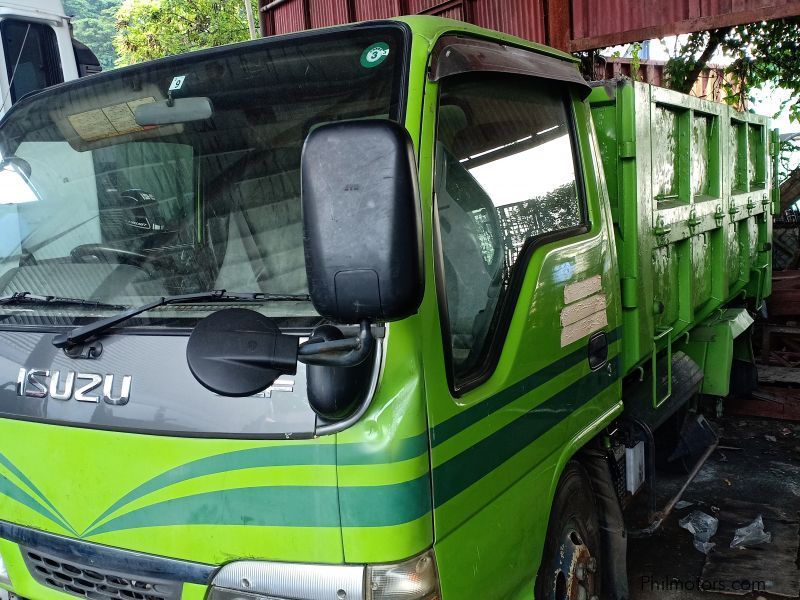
x: 570, y: 568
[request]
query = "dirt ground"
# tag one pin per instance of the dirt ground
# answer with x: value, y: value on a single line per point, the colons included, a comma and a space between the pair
x: 755, y: 471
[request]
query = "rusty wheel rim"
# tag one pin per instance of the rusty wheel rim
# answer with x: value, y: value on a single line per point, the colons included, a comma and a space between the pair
x: 575, y: 569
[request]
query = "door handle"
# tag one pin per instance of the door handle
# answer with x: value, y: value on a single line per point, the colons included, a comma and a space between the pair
x: 598, y: 350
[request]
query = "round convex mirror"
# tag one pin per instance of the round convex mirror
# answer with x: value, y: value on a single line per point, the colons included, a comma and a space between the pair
x: 239, y: 352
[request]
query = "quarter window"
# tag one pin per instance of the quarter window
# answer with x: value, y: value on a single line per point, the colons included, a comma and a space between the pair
x: 505, y: 175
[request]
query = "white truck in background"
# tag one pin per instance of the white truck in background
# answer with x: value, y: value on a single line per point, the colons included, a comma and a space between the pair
x: 38, y: 49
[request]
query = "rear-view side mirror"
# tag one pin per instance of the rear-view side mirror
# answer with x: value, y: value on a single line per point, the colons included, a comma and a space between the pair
x: 361, y: 221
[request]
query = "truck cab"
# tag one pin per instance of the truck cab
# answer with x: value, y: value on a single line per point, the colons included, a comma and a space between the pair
x: 341, y: 314
x: 38, y: 49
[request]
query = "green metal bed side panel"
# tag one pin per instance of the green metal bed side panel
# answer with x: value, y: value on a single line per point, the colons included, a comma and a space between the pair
x: 690, y: 183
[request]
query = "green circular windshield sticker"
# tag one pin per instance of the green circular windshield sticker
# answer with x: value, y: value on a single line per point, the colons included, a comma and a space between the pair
x: 374, y: 55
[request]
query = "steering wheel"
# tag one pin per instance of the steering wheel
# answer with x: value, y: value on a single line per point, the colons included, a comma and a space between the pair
x: 115, y: 255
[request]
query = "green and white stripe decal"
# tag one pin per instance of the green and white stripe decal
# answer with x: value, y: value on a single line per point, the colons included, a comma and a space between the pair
x: 300, y: 488
x: 478, y: 460
x: 265, y: 505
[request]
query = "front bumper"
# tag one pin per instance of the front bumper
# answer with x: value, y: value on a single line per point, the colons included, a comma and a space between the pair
x: 43, y: 566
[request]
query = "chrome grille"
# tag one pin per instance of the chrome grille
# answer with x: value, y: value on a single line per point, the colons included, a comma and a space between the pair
x: 88, y: 581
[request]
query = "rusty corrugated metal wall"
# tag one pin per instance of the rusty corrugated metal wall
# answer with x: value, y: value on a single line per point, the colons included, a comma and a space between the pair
x: 567, y: 24
x: 600, y: 23
x: 524, y: 18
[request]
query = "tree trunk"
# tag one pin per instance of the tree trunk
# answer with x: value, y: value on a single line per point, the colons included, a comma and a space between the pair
x: 714, y: 40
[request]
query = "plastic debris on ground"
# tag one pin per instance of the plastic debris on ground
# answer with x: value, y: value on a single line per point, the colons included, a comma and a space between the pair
x: 681, y: 504
x: 704, y: 547
x: 751, y: 535
x: 702, y: 527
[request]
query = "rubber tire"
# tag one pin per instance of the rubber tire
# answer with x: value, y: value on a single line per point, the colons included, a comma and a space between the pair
x: 573, y: 503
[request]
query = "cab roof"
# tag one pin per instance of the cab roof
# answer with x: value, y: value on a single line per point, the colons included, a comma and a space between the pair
x: 432, y: 28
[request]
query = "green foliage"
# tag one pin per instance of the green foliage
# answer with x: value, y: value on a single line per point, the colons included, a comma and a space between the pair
x: 149, y: 29
x: 679, y: 67
x: 93, y: 24
x: 762, y: 53
x: 788, y: 151
x: 636, y: 62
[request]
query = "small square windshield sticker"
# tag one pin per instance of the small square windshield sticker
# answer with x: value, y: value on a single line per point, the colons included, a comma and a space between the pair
x: 177, y: 83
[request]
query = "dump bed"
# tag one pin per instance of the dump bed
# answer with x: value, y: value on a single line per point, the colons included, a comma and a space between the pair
x: 691, y: 190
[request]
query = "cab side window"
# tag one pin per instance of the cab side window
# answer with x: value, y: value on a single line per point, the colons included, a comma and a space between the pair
x: 505, y: 177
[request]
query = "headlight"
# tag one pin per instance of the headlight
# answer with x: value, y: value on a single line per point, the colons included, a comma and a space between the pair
x: 413, y: 579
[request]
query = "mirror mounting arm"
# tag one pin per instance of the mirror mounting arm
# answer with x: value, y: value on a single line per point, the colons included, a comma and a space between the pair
x: 338, y: 353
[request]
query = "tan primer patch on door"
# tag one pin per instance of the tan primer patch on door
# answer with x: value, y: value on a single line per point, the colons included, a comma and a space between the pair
x: 582, y: 289
x: 584, y: 327
x: 584, y: 311
x: 573, y: 313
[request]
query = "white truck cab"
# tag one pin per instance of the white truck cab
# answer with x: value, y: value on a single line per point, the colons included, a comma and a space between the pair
x: 38, y: 49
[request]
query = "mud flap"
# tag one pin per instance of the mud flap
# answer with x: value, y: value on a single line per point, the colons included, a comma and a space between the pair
x: 711, y: 345
x: 612, y: 525
x: 696, y: 435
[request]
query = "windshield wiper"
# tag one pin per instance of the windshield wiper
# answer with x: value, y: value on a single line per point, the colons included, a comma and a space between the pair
x: 81, y: 334
x: 28, y: 298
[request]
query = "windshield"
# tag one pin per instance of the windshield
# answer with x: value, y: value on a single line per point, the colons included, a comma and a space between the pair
x: 101, y: 200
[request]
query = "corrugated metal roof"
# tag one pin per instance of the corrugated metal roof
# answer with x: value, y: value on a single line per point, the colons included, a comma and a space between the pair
x: 600, y: 23
x: 324, y: 13
x: 288, y: 17
x: 588, y: 23
x: 376, y: 9
x: 522, y: 18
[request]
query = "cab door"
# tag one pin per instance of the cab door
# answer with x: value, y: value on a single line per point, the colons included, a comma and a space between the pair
x: 527, y: 291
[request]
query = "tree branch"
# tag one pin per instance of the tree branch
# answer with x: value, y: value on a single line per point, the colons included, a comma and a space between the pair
x: 715, y: 38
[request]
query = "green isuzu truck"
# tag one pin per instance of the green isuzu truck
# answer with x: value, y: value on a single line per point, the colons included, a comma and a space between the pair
x: 397, y: 310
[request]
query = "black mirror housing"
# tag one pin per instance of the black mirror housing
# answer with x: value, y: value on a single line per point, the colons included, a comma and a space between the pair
x: 362, y: 224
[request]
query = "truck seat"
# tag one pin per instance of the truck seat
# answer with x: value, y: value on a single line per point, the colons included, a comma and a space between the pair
x: 264, y: 250
x: 467, y: 274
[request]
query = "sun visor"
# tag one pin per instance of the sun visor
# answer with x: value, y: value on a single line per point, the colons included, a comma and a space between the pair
x: 94, y: 116
x: 455, y: 55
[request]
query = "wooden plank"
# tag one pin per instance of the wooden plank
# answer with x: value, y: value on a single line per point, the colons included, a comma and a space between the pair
x: 780, y: 329
x: 770, y: 374
x: 767, y: 406
x: 784, y: 302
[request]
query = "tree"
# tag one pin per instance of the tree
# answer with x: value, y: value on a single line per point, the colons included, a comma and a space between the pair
x: 93, y: 24
x: 148, y: 29
x: 763, y: 53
